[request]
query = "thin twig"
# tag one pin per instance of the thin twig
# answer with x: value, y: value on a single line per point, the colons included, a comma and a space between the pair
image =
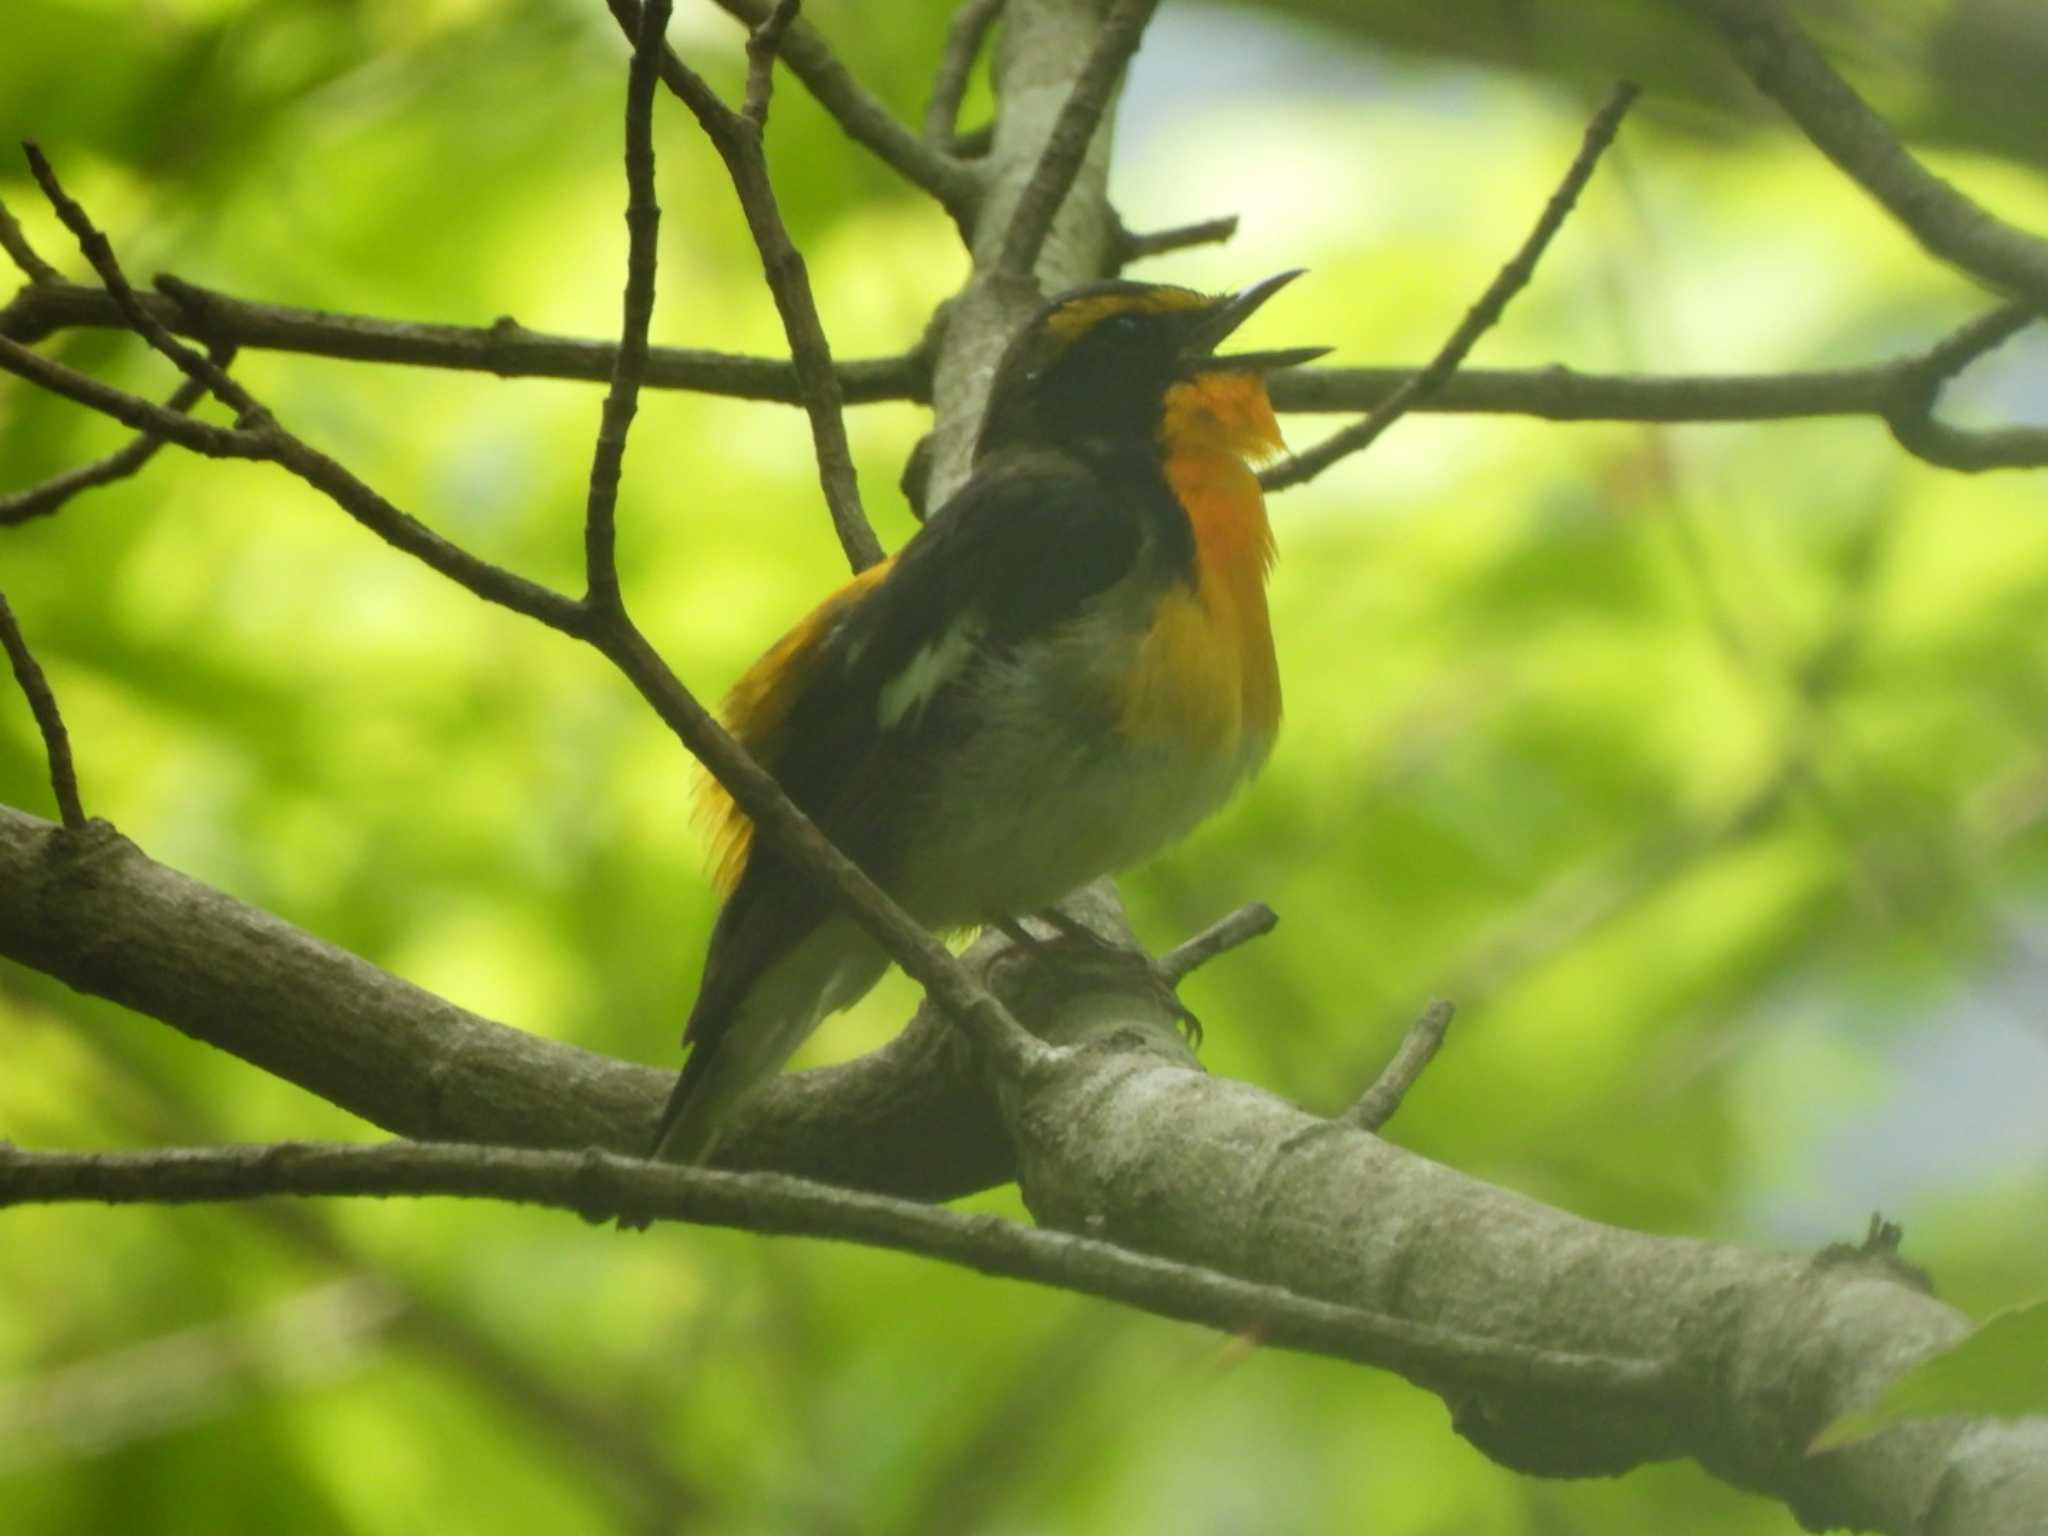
x: 1916, y: 428
x: 21, y: 253
x: 604, y: 1184
x: 867, y: 121
x: 506, y: 349
x: 96, y: 249
x: 47, y: 498
x: 763, y: 44
x: 1158, y: 242
x: 1418, y: 1049
x: 1482, y: 316
x: 622, y: 400
x: 964, y: 37
x: 1072, y: 131
x: 257, y: 435
x: 201, y: 437
x: 1248, y: 922
x: 1781, y: 60
x: 1902, y: 392
x: 42, y: 704
x: 737, y: 139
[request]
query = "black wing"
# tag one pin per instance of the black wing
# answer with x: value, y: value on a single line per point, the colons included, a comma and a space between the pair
x: 1024, y: 544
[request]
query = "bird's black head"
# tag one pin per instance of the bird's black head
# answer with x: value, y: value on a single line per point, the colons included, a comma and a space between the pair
x: 1097, y: 361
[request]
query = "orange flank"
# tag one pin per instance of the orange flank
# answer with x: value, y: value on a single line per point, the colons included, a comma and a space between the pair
x: 756, y: 711
x: 1206, y: 673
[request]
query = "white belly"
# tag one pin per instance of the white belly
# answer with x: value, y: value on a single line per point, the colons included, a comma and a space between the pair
x: 1059, y: 804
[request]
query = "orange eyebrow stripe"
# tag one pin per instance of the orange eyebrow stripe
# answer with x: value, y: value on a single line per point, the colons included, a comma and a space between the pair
x: 1077, y: 317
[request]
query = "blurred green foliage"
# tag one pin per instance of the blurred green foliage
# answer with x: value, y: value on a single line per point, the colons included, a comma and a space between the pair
x: 1704, y: 767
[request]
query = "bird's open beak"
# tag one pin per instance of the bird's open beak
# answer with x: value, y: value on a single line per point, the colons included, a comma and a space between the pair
x: 1219, y: 322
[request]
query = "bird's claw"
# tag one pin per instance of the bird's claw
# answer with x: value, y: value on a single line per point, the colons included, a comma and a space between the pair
x: 1079, y: 936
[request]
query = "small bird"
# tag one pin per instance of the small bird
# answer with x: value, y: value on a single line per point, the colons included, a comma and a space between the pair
x: 1064, y: 671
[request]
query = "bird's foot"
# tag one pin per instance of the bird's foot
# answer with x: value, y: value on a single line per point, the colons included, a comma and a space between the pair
x: 1075, y: 935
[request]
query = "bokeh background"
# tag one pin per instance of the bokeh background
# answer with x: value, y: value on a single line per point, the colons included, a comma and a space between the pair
x: 1706, y: 768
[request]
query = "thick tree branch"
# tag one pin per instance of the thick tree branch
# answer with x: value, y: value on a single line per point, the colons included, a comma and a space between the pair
x: 1482, y: 316
x: 96, y: 913
x: 1072, y: 132
x: 1253, y: 1193
x: 1783, y: 63
x: 602, y: 1185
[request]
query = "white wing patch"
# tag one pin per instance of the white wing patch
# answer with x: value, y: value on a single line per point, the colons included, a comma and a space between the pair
x: 905, y: 694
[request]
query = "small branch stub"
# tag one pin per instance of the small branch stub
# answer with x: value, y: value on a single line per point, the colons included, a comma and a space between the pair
x: 1418, y: 1049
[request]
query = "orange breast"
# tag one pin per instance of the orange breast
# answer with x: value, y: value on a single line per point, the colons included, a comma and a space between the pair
x: 1206, y: 672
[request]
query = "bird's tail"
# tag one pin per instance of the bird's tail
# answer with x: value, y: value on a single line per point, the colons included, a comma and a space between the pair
x: 741, y: 1044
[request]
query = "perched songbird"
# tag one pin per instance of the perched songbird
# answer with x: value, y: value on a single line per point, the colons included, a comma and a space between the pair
x: 1066, y: 669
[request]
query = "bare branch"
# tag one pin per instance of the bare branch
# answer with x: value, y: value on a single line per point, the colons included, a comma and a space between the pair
x: 202, y: 437
x: 1031, y: 219
x: 737, y: 139
x: 257, y: 435
x: 969, y: 30
x: 1783, y: 63
x: 1902, y: 392
x: 763, y: 43
x: 866, y: 120
x: 622, y: 400
x: 95, y: 248
x: 21, y: 253
x: 1971, y: 450
x: 94, y: 912
x: 1915, y: 427
x: 1892, y: 391
x: 601, y: 1184
x: 1136, y: 247
x: 1481, y: 318
x: 1248, y: 922
x: 42, y: 704
x: 1418, y: 1049
x: 506, y: 348
x: 45, y: 499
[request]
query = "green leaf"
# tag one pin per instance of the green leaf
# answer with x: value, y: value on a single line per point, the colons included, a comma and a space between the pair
x: 1999, y: 1371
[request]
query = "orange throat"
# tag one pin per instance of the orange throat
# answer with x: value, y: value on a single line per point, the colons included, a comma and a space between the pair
x: 1209, y: 674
